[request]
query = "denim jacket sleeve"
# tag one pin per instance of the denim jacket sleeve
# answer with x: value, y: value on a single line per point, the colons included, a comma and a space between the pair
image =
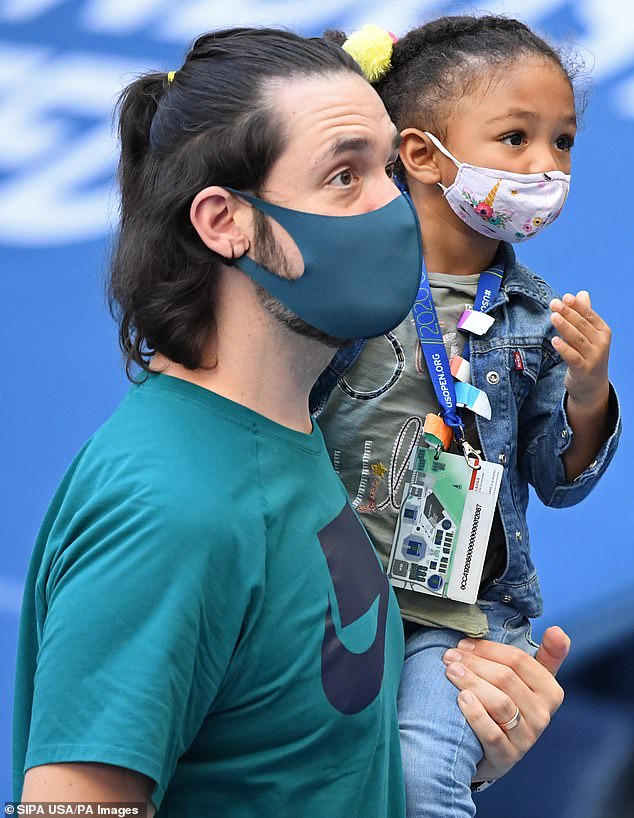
x: 545, y: 434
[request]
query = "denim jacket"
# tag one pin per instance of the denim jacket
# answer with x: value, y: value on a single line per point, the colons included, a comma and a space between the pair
x: 523, y: 377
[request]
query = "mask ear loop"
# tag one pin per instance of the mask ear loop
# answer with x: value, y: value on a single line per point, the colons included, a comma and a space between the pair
x: 233, y: 249
x: 438, y: 144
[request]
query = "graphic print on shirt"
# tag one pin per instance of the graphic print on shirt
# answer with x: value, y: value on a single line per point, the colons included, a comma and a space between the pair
x: 378, y: 471
x: 372, y: 394
x: 386, y: 483
x: 379, y: 489
x: 353, y: 648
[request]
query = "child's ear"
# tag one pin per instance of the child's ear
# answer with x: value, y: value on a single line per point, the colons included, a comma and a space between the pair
x: 419, y: 157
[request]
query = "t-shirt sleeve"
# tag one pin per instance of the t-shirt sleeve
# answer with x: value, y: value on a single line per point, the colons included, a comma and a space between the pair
x: 141, y: 620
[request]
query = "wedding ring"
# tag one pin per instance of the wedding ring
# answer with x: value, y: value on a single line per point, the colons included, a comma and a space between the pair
x: 509, y: 725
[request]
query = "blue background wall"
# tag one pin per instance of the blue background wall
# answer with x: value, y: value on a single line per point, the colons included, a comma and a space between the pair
x: 62, y: 63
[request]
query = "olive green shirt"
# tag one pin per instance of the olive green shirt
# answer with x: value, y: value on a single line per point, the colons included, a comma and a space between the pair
x: 373, y: 421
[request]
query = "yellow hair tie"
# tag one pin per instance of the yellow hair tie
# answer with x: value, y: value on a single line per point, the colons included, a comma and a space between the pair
x: 170, y: 76
x: 371, y: 48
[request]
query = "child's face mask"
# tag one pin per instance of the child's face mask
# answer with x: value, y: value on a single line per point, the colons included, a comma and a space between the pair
x: 502, y: 205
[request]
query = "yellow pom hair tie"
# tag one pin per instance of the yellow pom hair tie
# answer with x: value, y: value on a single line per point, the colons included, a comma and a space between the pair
x: 371, y: 48
x: 170, y: 76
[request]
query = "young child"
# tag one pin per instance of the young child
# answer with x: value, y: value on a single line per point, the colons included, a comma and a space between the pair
x: 486, y: 112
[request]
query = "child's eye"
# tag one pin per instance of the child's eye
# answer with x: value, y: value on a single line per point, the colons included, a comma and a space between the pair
x: 564, y: 142
x: 343, y: 179
x: 514, y: 139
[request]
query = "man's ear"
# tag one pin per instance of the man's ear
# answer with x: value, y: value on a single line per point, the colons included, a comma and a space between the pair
x: 419, y: 157
x: 217, y: 217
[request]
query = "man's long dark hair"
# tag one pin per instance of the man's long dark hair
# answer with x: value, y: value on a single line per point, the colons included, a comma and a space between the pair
x: 212, y: 124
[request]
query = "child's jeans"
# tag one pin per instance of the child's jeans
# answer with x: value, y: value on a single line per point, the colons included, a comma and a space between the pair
x: 440, y: 751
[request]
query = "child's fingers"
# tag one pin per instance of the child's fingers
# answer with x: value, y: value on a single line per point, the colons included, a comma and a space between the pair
x: 572, y: 325
x: 578, y: 310
x: 583, y: 296
x: 567, y: 348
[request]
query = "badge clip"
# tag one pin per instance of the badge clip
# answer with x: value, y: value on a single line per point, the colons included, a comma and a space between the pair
x: 471, y: 455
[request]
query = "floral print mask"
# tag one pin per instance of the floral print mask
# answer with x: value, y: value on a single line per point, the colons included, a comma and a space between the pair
x: 502, y: 205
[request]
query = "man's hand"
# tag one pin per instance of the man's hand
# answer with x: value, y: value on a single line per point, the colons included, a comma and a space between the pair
x: 553, y: 650
x: 494, y: 681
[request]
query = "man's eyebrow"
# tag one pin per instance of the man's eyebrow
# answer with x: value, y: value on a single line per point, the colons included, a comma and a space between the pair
x: 519, y: 113
x: 351, y: 144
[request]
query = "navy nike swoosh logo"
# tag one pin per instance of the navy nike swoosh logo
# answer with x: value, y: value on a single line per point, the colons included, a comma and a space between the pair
x: 352, y: 680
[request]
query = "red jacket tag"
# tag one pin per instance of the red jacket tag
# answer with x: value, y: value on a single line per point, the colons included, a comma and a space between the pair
x: 519, y: 363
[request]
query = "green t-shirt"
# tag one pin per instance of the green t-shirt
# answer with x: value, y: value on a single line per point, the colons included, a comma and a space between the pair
x: 373, y: 421
x: 204, y: 607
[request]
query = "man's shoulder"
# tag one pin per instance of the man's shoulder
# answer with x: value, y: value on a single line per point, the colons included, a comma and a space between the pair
x: 162, y: 435
x: 157, y: 467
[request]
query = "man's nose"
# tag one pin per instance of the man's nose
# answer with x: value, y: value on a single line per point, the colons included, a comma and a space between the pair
x: 383, y: 191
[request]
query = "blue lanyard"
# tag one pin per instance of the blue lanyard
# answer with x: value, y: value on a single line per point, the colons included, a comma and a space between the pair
x: 488, y: 287
x: 431, y: 341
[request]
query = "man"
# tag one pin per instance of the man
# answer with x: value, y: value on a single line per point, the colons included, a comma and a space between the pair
x: 206, y: 627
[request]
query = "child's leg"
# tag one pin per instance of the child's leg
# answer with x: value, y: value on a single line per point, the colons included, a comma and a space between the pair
x: 440, y: 751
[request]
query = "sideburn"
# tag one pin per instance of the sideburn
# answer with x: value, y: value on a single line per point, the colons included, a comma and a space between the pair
x: 268, y: 253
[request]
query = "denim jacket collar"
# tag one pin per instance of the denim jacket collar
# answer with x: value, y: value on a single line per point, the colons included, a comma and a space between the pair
x: 518, y: 279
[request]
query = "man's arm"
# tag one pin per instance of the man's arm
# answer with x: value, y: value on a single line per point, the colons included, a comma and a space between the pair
x: 494, y: 681
x: 87, y: 782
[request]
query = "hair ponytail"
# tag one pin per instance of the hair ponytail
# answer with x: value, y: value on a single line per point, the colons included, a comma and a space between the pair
x: 136, y: 107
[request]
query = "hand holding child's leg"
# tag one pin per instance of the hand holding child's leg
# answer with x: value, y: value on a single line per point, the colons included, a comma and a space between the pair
x: 498, y: 679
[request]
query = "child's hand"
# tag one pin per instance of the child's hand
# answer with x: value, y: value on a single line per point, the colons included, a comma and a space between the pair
x: 584, y: 345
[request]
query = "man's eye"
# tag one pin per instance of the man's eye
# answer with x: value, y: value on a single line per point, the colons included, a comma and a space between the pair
x: 564, y: 142
x: 343, y: 179
x: 389, y: 169
x: 514, y: 139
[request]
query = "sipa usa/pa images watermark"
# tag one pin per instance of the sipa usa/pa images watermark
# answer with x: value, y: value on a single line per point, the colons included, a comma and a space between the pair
x: 121, y: 809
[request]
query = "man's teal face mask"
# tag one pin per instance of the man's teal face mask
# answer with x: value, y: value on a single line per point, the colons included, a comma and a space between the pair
x: 361, y: 273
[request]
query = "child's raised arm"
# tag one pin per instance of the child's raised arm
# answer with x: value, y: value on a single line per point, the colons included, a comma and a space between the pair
x: 585, y: 346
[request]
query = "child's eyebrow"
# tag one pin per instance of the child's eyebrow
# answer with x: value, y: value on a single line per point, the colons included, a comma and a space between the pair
x: 520, y: 113
x: 514, y: 113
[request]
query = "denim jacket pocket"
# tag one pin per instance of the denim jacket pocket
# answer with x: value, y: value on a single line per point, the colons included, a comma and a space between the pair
x: 524, y: 363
